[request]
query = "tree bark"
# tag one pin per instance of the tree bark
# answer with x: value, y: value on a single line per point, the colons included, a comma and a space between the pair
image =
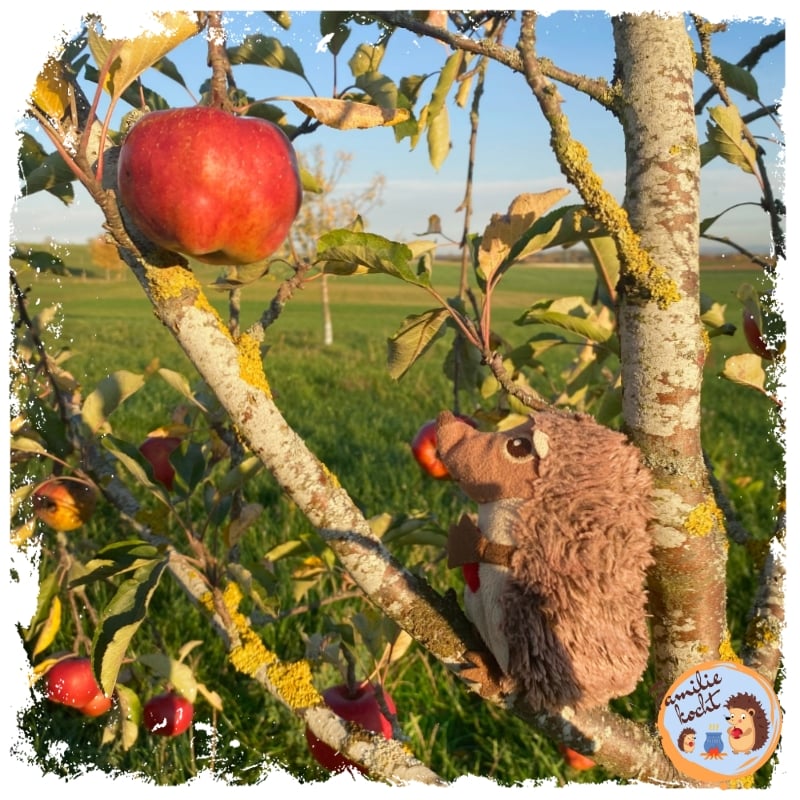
x: 663, y: 345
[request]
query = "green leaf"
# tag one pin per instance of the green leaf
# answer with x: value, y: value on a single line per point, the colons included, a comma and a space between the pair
x: 236, y: 477
x: 266, y: 51
x: 416, y: 335
x: 132, y: 460
x: 726, y: 133
x: 571, y: 314
x: 121, y: 619
x: 167, y: 68
x: 734, y: 77
x: 181, y: 385
x: 606, y: 265
x: 332, y: 24
x: 283, y: 549
x: 346, y: 252
x: 282, y: 18
x: 381, y: 89
x: 367, y: 58
x: 110, y: 393
x: 178, y: 674
x: 447, y: 76
x: 51, y: 175
x: 130, y: 712
x: 190, y: 464
x: 438, y: 138
x: 44, y: 261
x: 238, y: 276
x: 117, y: 559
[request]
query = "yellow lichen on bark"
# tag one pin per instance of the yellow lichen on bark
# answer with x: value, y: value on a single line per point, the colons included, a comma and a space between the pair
x: 649, y: 279
x: 703, y: 518
x: 294, y: 684
x: 173, y: 283
x: 251, y: 366
x: 293, y: 681
x: 726, y: 651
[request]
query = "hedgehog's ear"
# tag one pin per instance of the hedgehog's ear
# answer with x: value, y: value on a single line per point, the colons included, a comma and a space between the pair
x: 541, y: 443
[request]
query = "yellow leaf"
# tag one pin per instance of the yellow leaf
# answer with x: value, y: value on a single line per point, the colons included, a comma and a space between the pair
x: 21, y: 535
x: 53, y: 91
x: 135, y: 55
x: 311, y: 566
x: 746, y: 370
x: 504, y: 230
x: 348, y: 114
x: 49, y: 628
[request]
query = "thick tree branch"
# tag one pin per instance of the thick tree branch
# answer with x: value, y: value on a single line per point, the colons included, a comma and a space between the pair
x: 596, y: 88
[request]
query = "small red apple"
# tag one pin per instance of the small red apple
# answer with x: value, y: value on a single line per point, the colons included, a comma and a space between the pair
x: 71, y: 682
x: 575, y: 759
x: 97, y: 706
x: 355, y: 704
x: 424, y: 448
x: 64, y: 504
x: 167, y: 714
x: 157, y: 450
x: 220, y: 187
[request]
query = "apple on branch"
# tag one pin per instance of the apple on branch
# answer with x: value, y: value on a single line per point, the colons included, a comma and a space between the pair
x: 210, y: 184
x: 358, y: 704
x: 71, y: 682
x: 167, y: 714
x: 64, y: 503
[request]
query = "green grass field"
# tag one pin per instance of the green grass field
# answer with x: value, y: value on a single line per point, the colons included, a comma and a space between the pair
x: 359, y: 421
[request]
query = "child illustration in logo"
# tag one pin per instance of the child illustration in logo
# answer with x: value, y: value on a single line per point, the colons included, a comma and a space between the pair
x: 748, y: 727
x: 686, y: 740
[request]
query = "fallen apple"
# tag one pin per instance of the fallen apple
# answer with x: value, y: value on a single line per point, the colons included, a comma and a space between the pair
x: 167, y: 714
x: 356, y: 704
x: 156, y: 451
x: 64, y: 503
x: 71, y: 682
x: 424, y: 448
x: 219, y: 187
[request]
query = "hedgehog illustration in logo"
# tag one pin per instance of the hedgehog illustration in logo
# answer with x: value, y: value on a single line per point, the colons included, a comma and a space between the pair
x: 748, y: 727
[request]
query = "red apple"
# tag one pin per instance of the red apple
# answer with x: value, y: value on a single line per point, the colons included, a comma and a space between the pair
x: 359, y: 704
x: 71, y: 682
x: 222, y: 188
x: 157, y: 450
x: 64, y: 504
x: 167, y: 714
x: 575, y: 759
x: 97, y: 706
x: 424, y: 448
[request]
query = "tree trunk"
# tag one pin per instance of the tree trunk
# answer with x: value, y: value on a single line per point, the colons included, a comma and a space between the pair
x: 663, y: 344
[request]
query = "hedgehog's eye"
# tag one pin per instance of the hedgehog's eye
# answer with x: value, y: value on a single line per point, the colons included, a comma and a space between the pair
x: 520, y: 448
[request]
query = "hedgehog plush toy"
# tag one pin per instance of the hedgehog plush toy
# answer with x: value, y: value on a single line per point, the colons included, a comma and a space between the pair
x: 556, y: 564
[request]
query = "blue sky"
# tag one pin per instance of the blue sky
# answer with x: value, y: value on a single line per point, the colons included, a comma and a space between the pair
x: 513, y: 154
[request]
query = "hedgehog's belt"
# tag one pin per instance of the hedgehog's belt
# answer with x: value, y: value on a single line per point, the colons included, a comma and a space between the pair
x: 467, y: 545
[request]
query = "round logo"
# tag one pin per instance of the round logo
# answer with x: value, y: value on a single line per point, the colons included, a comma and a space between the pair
x: 719, y: 721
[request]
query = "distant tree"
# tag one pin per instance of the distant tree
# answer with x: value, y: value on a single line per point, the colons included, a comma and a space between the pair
x: 325, y: 209
x: 105, y: 255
